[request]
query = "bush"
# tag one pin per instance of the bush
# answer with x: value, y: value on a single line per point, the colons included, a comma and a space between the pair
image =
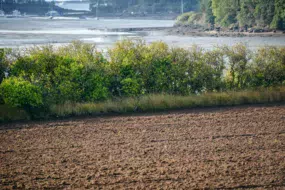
x: 190, y: 18
x: 184, y: 17
x: 238, y: 69
x: 17, y: 92
x: 3, y: 64
x: 268, y: 67
x: 72, y: 73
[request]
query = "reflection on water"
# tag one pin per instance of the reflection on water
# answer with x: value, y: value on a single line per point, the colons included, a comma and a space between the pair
x: 27, y: 32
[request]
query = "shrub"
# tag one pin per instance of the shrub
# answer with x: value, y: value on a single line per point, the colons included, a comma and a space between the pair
x: 17, y: 92
x: 268, y: 68
x: 190, y: 18
x: 3, y: 64
x: 127, y: 66
x: 130, y: 87
x: 184, y: 17
x: 238, y: 68
x: 65, y: 74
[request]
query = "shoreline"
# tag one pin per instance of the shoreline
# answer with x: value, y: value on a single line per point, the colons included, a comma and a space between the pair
x: 187, y: 31
x: 183, y: 31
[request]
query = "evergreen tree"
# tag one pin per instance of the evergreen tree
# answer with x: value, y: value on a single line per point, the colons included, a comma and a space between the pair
x: 225, y: 12
x: 264, y: 12
x: 279, y: 15
x: 210, y: 18
x: 246, y: 13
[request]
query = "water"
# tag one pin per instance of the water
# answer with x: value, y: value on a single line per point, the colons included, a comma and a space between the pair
x: 25, y: 32
x: 74, y: 6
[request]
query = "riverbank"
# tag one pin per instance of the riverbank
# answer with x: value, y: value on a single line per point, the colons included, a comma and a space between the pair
x: 190, y: 31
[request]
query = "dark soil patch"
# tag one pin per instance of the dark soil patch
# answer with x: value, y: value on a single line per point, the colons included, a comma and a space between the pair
x: 234, y: 148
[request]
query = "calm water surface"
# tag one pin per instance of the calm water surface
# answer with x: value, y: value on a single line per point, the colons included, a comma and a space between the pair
x: 25, y: 32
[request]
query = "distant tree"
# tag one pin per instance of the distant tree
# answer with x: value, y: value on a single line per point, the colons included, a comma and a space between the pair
x: 210, y: 18
x: 279, y: 15
x: 246, y: 14
x: 264, y: 12
x: 225, y: 12
x: 3, y: 64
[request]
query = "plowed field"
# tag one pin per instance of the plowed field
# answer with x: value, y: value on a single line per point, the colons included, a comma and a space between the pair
x: 230, y: 148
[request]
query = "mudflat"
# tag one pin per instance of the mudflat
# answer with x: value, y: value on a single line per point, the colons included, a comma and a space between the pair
x: 232, y: 148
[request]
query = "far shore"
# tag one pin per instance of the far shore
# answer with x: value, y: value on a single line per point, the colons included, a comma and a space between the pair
x: 187, y: 31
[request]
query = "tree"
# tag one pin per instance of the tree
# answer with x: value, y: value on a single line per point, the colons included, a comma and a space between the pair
x: 3, y: 64
x: 225, y: 12
x: 210, y: 18
x: 18, y: 92
x: 279, y: 15
x: 246, y: 15
x: 264, y: 12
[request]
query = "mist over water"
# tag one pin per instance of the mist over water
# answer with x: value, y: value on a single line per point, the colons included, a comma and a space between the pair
x: 25, y: 32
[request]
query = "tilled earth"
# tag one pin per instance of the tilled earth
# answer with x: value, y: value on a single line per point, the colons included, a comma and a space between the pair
x: 233, y: 148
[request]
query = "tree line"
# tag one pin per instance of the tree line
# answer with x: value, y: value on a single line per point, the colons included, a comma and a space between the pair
x: 245, y: 13
x: 149, y: 6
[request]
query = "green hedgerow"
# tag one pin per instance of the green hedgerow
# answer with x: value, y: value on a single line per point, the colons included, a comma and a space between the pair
x: 17, y: 92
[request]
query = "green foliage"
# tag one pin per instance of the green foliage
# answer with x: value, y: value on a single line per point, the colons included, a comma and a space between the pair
x: 210, y: 18
x: 3, y: 64
x: 163, y: 102
x: 130, y: 87
x: 264, y: 12
x: 246, y: 15
x: 242, y: 13
x: 239, y: 57
x: 189, y: 18
x: 78, y: 73
x: 17, y: 92
x: 184, y: 17
x: 269, y: 67
x: 225, y: 12
x: 279, y: 15
x: 72, y: 73
x: 157, y: 68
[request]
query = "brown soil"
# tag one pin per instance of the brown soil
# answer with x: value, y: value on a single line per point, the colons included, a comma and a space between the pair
x: 224, y: 149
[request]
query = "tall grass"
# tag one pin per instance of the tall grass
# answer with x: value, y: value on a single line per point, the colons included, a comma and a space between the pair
x: 8, y: 113
x: 162, y: 102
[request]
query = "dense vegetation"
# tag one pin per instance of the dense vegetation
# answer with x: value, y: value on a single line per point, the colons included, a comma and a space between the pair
x: 241, y: 13
x: 44, y: 77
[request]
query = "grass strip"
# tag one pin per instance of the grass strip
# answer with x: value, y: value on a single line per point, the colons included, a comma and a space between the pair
x: 164, y: 102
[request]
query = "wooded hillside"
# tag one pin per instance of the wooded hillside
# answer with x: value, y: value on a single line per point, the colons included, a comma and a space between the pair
x: 245, y: 13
